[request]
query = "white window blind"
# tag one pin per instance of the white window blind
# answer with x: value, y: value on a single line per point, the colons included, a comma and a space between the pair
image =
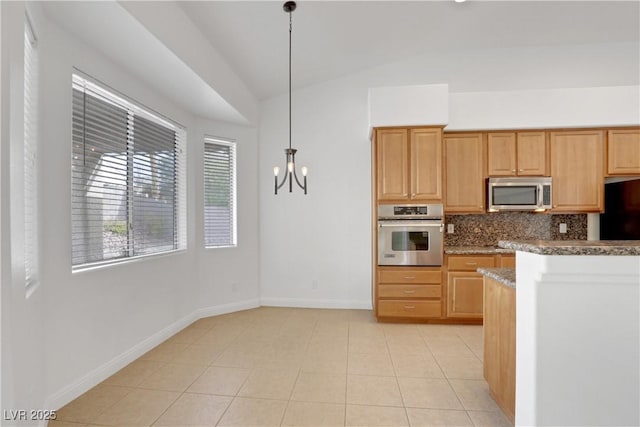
x: 219, y: 193
x: 128, y: 197
x: 30, y: 155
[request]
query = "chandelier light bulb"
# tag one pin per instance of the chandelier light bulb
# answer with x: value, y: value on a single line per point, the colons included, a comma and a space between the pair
x: 290, y: 166
x: 276, y: 170
x: 304, y: 170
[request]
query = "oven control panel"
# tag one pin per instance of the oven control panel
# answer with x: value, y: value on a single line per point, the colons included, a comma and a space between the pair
x: 410, y: 210
x: 423, y: 211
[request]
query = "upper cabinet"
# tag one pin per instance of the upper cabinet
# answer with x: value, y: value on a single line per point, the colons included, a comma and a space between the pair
x: 517, y: 153
x: 464, y: 173
x: 577, y: 169
x: 409, y: 164
x: 623, y: 152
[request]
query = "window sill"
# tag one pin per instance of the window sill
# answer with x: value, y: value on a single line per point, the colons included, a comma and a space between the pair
x: 120, y: 261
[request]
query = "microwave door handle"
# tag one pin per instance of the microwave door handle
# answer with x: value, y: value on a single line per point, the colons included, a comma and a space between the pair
x: 540, y: 192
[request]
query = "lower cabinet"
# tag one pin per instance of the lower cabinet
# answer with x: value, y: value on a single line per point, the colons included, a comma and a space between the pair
x: 464, y: 295
x: 464, y: 285
x: 408, y: 293
x: 499, y: 343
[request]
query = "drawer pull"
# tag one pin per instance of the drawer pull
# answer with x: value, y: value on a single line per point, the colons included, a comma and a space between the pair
x: 409, y: 292
x: 471, y: 263
x: 409, y: 307
x: 409, y: 277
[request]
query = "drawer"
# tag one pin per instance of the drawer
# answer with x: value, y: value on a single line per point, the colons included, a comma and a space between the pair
x: 409, y: 291
x: 470, y: 263
x: 508, y: 261
x: 408, y: 308
x: 409, y: 276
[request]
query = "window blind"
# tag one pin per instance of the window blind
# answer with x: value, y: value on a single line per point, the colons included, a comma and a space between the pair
x: 219, y: 193
x: 127, y: 184
x: 30, y: 155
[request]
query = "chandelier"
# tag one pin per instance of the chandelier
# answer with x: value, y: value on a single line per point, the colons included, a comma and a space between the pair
x: 290, y: 173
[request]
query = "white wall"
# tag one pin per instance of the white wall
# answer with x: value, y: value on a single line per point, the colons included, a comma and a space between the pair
x: 78, y: 328
x: 326, y: 235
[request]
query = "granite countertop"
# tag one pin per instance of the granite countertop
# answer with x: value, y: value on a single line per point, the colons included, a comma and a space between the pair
x: 574, y: 247
x: 476, y: 250
x: 506, y: 276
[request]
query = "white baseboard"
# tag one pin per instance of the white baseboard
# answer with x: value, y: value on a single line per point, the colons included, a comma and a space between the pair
x: 227, y: 308
x: 315, y: 303
x: 96, y: 376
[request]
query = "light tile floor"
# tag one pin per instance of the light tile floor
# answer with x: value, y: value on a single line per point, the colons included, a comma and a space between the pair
x: 298, y: 367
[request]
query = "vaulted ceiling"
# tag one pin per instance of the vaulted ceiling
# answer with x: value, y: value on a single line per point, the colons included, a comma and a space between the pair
x: 219, y: 58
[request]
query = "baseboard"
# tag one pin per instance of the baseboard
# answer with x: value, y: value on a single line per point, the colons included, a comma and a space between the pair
x: 315, y: 303
x: 227, y: 308
x: 96, y: 376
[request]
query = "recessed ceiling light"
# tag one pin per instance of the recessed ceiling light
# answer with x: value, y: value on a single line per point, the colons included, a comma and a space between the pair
x: 459, y: 1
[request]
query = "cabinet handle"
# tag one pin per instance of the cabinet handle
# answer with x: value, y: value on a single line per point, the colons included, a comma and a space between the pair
x: 471, y: 263
x: 409, y: 277
x: 413, y: 195
x: 520, y: 170
x: 513, y: 170
x: 409, y: 292
x: 409, y: 307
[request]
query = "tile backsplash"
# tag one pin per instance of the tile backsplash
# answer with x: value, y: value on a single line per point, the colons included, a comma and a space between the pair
x: 488, y: 229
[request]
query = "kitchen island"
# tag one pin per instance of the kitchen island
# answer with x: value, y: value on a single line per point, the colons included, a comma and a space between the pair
x: 577, y: 332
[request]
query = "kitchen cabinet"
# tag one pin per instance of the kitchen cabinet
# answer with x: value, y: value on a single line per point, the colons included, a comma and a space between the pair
x: 464, y: 173
x: 499, y: 344
x: 623, y: 152
x: 408, y: 292
x: 517, y: 154
x: 409, y: 164
x: 507, y: 261
x: 577, y: 169
x: 464, y: 285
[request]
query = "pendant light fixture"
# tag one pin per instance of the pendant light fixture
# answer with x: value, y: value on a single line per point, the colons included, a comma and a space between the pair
x: 290, y: 171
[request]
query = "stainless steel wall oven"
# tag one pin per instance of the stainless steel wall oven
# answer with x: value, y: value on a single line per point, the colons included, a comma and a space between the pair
x: 410, y: 234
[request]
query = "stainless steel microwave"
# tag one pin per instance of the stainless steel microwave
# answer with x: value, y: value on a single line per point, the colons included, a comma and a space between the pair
x: 519, y: 194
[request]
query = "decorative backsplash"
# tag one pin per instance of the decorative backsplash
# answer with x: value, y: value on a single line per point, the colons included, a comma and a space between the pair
x: 488, y: 229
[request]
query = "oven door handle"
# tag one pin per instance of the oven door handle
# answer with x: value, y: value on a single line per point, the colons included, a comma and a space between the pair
x: 411, y: 224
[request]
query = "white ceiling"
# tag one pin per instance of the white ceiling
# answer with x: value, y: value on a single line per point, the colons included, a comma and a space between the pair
x: 334, y: 38
x: 217, y: 58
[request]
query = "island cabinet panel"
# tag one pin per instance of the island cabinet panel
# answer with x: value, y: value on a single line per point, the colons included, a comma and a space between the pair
x: 408, y: 293
x: 577, y: 169
x: 409, y: 164
x: 464, y: 173
x: 623, y: 152
x: 499, y: 344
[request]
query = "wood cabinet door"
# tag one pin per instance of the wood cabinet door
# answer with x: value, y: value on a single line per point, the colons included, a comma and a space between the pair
x: 426, y: 164
x: 501, y: 153
x: 464, y: 173
x: 577, y: 169
x: 392, y: 164
x: 499, y: 344
x: 464, y: 295
x: 531, y: 149
x: 623, y: 152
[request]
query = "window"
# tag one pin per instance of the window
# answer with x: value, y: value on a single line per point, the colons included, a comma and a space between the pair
x: 30, y: 155
x: 219, y: 193
x: 128, y: 173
